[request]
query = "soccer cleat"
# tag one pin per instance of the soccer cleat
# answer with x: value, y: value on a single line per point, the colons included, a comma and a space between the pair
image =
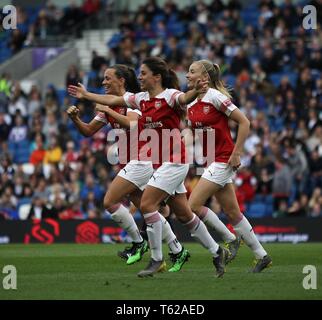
x: 220, y: 261
x: 152, y: 268
x: 233, y: 248
x: 137, y: 252
x: 263, y: 263
x: 125, y: 253
x: 179, y: 259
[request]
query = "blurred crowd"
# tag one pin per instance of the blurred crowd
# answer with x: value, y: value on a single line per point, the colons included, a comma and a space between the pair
x: 272, y: 65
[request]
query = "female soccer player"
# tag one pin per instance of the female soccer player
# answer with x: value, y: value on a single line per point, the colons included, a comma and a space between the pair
x: 211, y: 110
x: 120, y: 80
x: 161, y: 109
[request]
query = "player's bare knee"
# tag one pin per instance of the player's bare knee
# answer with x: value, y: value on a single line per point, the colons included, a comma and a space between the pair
x: 108, y: 203
x: 147, y: 206
x: 195, y: 207
x: 232, y: 213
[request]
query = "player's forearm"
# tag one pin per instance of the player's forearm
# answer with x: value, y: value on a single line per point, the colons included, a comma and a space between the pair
x: 105, y: 99
x: 243, y: 131
x: 124, y: 121
x: 188, y: 97
x: 82, y: 127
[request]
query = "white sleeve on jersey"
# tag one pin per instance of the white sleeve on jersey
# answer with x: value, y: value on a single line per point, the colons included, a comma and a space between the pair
x: 100, y: 116
x: 137, y: 111
x: 133, y: 100
x: 172, y: 97
x: 221, y: 102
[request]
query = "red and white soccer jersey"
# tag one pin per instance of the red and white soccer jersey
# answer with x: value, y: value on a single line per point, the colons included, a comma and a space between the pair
x: 159, y: 113
x: 103, y: 117
x: 211, y: 113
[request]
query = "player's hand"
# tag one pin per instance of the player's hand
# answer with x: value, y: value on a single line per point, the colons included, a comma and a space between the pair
x: 73, y: 112
x: 78, y: 91
x: 234, y: 162
x: 202, y: 85
x: 101, y: 108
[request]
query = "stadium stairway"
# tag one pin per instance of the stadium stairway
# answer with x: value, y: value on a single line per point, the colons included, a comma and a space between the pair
x: 93, y: 40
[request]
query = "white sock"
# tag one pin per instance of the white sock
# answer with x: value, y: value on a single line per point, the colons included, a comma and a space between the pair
x: 126, y: 221
x: 199, y: 231
x: 169, y: 237
x: 245, y: 230
x: 211, y: 220
x: 154, y: 231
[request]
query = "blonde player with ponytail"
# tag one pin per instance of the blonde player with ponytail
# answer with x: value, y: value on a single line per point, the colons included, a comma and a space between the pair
x: 212, y: 110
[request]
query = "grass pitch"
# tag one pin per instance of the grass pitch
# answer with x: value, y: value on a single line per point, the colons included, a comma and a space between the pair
x: 70, y: 271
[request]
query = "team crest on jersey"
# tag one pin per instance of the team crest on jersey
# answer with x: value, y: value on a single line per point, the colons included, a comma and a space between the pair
x: 158, y: 104
x: 148, y: 119
x: 206, y: 109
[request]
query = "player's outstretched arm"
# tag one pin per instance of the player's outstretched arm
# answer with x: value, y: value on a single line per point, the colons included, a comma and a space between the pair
x: 80, y: 92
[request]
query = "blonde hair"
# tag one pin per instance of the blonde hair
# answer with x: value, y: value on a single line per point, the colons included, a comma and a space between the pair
x: 213, y: 72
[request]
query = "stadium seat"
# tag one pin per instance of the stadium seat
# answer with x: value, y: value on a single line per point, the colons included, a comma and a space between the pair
x: 256, y: 210
x: 230, y: 80
x: 61, y: 93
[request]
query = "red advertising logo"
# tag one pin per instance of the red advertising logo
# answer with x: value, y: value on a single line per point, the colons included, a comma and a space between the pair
x: 87, y: 232
x: 43, y: 231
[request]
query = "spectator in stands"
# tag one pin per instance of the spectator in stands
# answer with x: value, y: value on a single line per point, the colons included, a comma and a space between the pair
x: 239, y: 62
x: 4, y: 128
x: 37, y: 156
x: 19, y: 131
x: 315, y: 164
x: 282, y: 182
x: 282, y: 210
x: 34, y: 101
x: 299, y: 166
x: 54, y: 152
x: 315, y: 203
x: 16, y: 41
x: 246, y: 183
x: 40, y: 210
x: 97, y: 61
x: 91, y: 186
x: 50, y: 126
x: 72, y: 76
x: 71, y: 155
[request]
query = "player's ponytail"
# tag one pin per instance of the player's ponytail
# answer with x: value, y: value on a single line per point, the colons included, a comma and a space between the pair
x: 172, y: 80
x: 131, y: 83
x: 213, y: 72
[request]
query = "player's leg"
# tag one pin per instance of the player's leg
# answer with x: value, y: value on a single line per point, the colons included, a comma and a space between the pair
x: 149, y: 206
x: 161, y: 185
x: 228, y: 201
x: 118, y: 189
x: 179, y: 204
x: 200, y: 194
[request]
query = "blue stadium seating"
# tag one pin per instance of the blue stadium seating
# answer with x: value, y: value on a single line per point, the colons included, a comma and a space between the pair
x: 256, y: 210
x: 61, y: 93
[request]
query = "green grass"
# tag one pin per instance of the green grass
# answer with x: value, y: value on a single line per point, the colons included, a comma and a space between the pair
x: 72, y: 271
